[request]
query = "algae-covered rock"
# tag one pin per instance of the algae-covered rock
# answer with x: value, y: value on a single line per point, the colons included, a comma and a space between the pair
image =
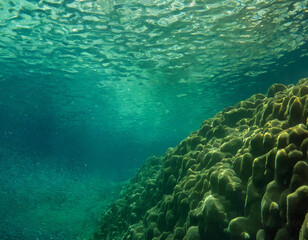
x: 256, y: 144
x: 246, y: 166
x: 283, y: 168
x: 270, y: 212
x: 297, y: 208
x: 283, y: 234
x: 243, y: 175
x: 234, y: 115
x: 274, y: 89
x: 295, y: 115
x: 300, y: 175
x: 192, y: 233
x: 232, y: 146
x: 179, y: 233
x: 303, y: 235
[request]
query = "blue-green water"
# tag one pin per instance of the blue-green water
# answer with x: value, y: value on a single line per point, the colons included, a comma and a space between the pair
x: 90, y: 89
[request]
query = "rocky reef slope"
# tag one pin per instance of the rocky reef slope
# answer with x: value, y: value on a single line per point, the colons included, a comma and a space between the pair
x: 242, y: 175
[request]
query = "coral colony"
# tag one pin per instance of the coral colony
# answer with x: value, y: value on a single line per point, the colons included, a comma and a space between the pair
x: 242, y: 175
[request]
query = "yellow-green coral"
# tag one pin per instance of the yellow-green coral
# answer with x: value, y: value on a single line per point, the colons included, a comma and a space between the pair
x: 243, y: 175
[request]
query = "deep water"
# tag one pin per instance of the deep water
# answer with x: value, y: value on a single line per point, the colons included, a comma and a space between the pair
x: 90, y: 89
x: 41, y: 199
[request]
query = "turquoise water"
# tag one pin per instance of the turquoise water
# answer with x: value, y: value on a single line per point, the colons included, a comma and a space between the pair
x: 90, y: 89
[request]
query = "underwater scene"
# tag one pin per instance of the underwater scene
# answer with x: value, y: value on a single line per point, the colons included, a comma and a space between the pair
x: 153, y: 120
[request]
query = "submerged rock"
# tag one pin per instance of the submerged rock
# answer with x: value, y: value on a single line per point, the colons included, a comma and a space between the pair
x: 243, y: 175
x: 275, y: 88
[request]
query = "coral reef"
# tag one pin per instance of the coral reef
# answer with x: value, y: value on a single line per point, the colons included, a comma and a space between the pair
x: 243, y: 175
